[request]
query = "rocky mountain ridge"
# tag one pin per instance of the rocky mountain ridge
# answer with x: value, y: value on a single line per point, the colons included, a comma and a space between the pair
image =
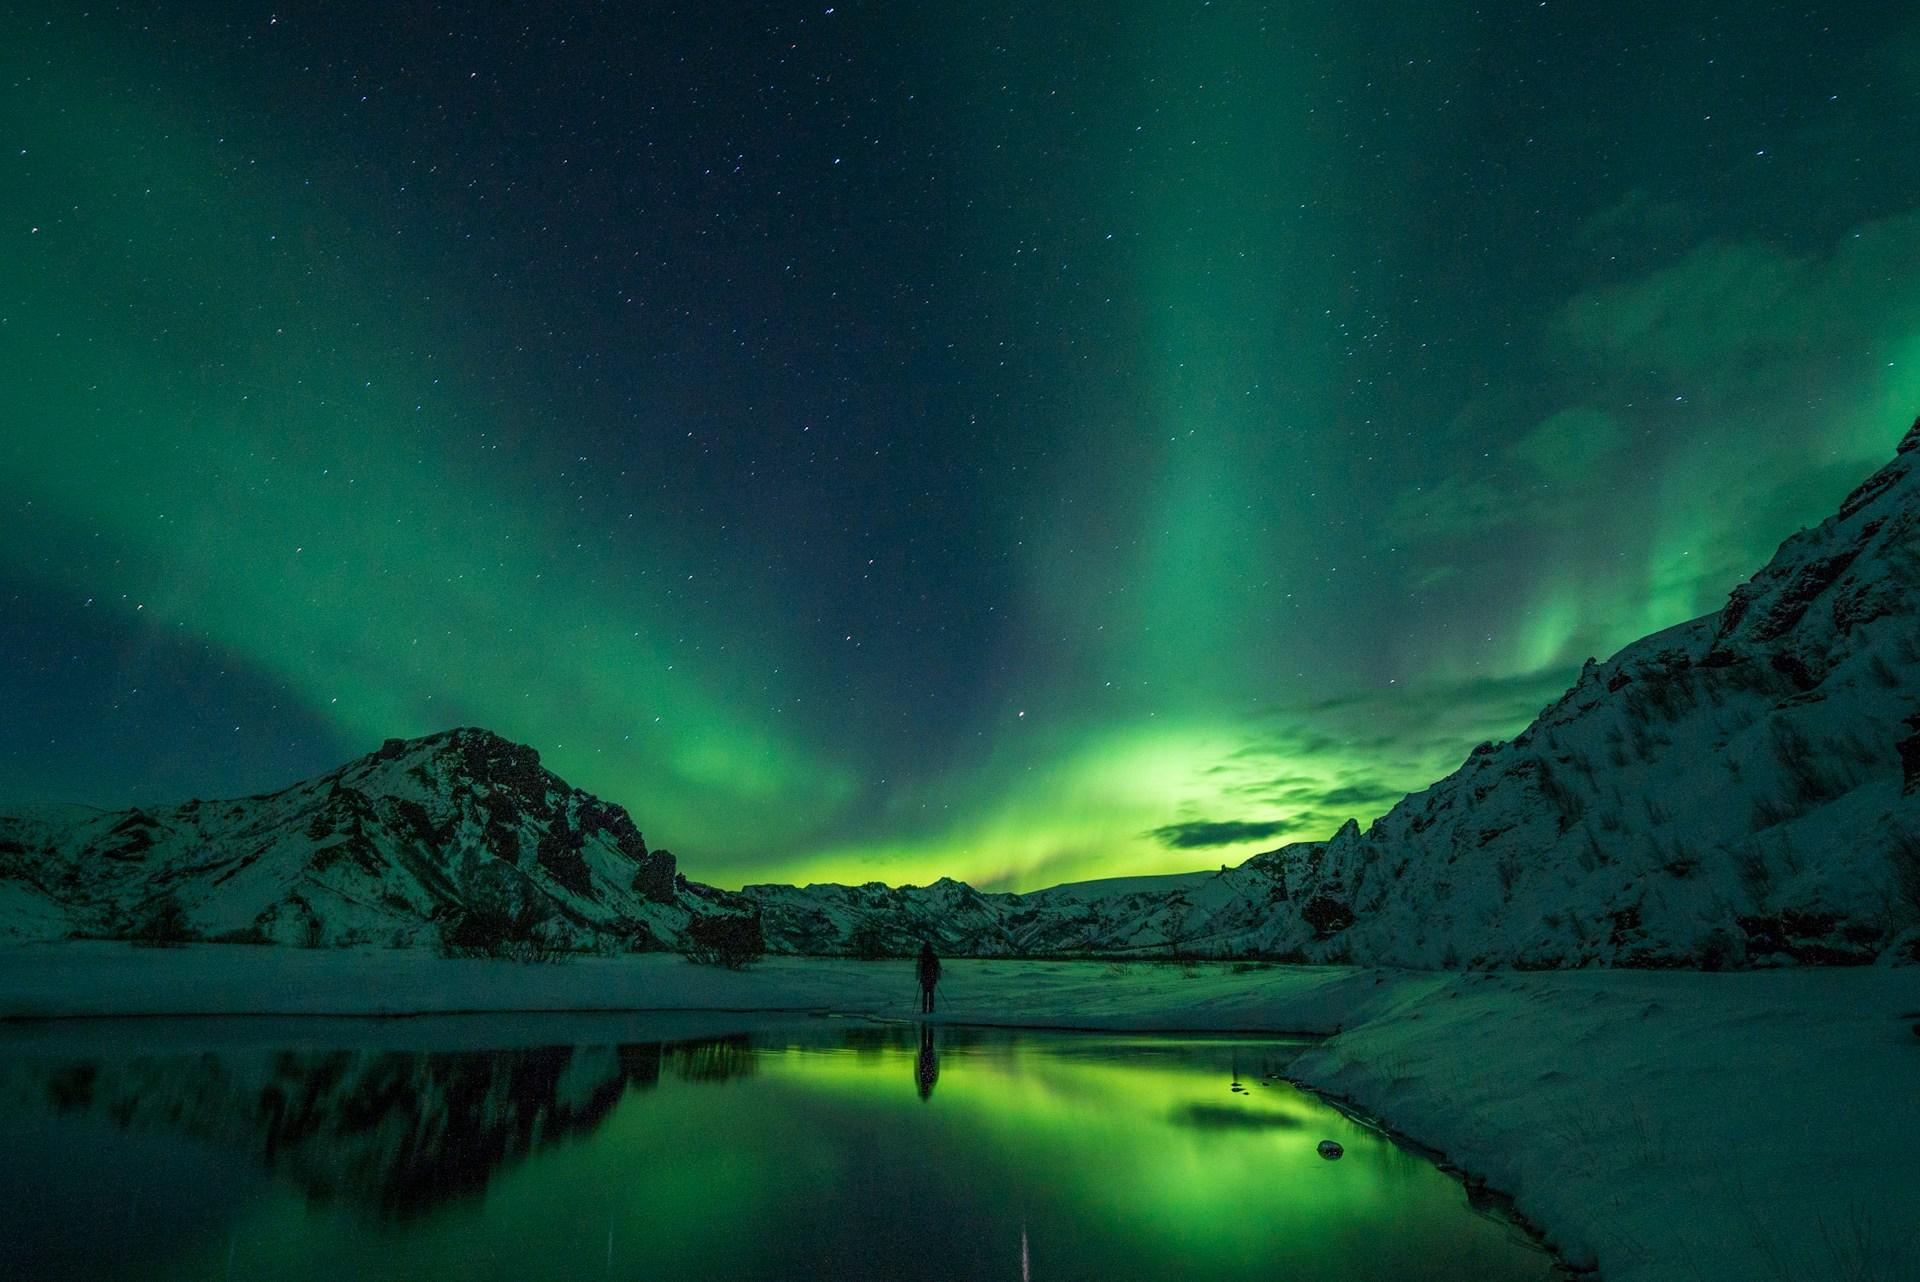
x: 393, y: 848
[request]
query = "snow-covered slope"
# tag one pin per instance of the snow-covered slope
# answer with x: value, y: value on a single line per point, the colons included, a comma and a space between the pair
x: 386, y: 849
x: 1740, y: 789
x: 1743, y: 789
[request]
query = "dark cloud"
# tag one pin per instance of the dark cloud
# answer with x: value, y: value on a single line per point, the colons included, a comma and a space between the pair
x: 1532, y: 482
x: 1201, y: 833
x: 1357, y: 796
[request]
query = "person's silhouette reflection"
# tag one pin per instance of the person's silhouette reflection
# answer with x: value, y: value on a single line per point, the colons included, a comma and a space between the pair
x: 927, y: 1071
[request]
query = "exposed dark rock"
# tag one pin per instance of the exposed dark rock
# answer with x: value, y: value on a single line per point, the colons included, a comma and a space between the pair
x: 1868, y: 490
x: 1790, y: 602
x: 597, y: 816
x: 420, y: 826
x: 559, y: 853
x: 502, y: 828
x: 1655, y: 959
x: 1795, y: 669
x: 1739, y: 601
x: 654, y: 879
x: 732, y: 940
x: 1328, y: 916
x: 1858, y: 603
x: 1910, y: 755
x: 1626, y: 926
x: 498, y: 764
x: 1814, y: 939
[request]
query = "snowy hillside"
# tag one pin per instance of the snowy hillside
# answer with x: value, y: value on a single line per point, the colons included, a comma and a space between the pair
x: 396, y: 847
x: 1740, y: 789
x: 1737, y: 790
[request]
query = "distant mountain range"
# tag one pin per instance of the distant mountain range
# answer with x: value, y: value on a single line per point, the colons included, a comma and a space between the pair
x: 1739, y: 790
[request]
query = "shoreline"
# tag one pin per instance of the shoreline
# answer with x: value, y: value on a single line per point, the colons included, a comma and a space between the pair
x: 1649, y: 1124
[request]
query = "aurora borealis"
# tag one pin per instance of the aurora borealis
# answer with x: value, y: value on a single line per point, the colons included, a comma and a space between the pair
x: 1009, y: 442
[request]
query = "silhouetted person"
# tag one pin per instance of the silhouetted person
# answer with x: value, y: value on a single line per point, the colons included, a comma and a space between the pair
x: 927, y: 1071
x: 929, y: 976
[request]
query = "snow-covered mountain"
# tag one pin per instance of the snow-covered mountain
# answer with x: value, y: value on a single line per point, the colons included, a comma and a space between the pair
x: 1153, y: 915
x: 1742, y: 789
x: 395, y: 848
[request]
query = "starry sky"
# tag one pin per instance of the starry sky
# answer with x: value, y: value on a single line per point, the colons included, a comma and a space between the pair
x: 879, y: 441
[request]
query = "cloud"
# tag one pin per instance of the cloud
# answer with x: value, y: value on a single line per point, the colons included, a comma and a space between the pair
x: 1639, y: 474
x: 1531, y: 481
x: 1338, y: 798
x: 1566, y: 447
x: 1201, y: 833
x: 1634, y: 228
x: 1735, y: 311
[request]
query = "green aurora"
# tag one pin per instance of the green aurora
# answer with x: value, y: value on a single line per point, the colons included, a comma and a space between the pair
x: 1317, y: 408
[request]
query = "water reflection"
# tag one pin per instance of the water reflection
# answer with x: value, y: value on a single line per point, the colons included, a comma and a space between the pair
x: 926, y: 1069
x: 393, y: 1133
x: 774, y: 1155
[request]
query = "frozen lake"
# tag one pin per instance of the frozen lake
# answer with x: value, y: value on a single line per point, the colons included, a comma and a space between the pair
x: 583, y: 1147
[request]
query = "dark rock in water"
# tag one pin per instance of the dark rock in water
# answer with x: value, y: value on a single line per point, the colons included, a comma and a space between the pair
x: 1330, y: 1150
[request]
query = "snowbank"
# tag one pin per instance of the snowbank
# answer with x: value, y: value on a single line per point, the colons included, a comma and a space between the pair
x: 1660, y: 1125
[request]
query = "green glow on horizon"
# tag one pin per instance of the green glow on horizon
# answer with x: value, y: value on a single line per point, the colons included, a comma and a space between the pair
x: 1089, y: 813
x: 1110, y: 1152
x: 1235, y: 604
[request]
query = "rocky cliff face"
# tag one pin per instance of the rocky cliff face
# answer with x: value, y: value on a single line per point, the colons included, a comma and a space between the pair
x: 386, y: 849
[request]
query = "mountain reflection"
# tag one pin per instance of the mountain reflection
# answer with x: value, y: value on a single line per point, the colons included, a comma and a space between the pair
x: 393, y: 1133
x: 828, y: 1148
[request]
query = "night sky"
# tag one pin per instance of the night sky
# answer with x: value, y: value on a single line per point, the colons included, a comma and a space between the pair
x: 1019, y: 442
